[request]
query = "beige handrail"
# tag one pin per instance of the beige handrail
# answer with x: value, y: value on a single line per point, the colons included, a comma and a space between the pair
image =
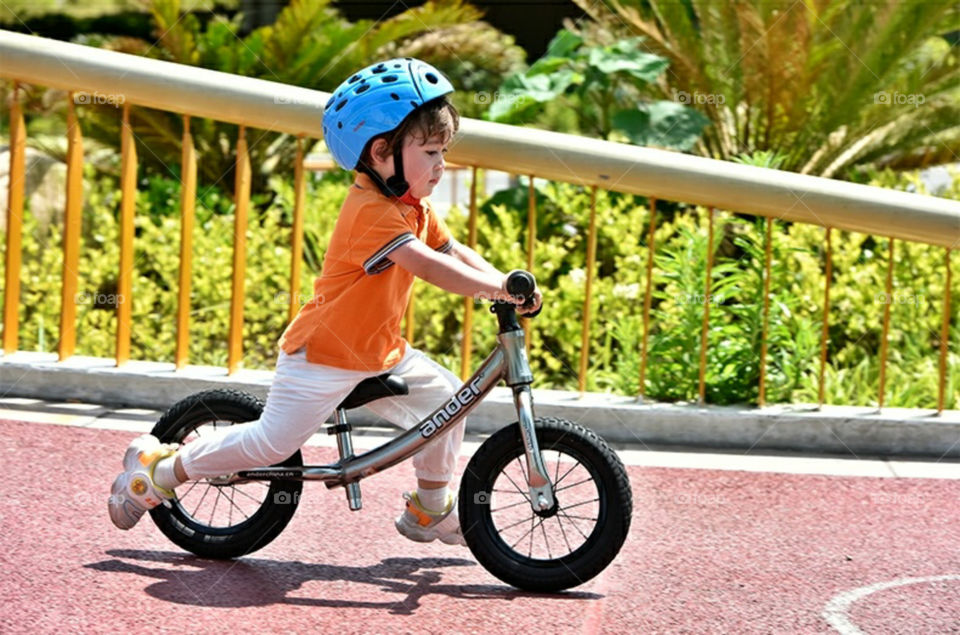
x: 612, y: 166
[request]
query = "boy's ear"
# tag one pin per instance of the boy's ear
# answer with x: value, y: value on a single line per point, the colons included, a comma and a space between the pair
x: 378, y: 150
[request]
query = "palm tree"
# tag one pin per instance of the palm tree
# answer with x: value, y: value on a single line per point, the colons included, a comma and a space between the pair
x: 828, y: 84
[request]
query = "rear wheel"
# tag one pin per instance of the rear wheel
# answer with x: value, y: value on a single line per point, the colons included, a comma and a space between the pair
x: 214, y: 520
x: 564, y: 546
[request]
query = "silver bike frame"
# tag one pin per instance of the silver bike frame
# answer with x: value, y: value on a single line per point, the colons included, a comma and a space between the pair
x: 508, y: 361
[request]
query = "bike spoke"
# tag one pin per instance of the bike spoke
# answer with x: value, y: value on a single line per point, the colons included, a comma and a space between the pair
x: 517, y: 486
x: 229, y: 498
x: 556, y: 474
x: 546, y: 542
x: 202, y: 498
x: 190, y: 489
x: 214, y: 510
x: 532, y: 528
x: 580, y: 517
x: 566, y: 473
x: 592, y: 500
x: 500, y: 509
x: 240, y: 491
x: 573, y: 523
x: 564, y: 534
x: 586, y: 480
x: 511, y: 526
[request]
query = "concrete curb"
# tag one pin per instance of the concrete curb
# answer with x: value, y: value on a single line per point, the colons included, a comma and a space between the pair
x: 796, y: 427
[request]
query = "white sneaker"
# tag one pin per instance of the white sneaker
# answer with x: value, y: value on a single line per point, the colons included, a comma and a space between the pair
x: 420, y: 525
x: 134, y: 491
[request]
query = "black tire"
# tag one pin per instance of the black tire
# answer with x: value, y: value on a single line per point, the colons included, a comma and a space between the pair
x: 482, y: 506
x: 272, y: 506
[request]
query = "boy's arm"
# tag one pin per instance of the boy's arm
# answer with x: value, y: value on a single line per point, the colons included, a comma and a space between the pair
x: 450, y: 274
x: 470, y: 257
x: 455, y: 276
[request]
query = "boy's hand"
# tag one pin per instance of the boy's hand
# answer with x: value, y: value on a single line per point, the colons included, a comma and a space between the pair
x: 532, y: 304
x: 537, y: 300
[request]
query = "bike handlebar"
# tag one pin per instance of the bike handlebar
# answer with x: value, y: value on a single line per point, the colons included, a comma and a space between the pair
x: 522, y: 284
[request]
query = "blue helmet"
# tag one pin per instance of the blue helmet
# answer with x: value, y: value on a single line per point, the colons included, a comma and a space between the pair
x: 375, y: 100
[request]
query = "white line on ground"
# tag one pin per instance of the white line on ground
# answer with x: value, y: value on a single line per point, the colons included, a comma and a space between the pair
x: 836, y: 611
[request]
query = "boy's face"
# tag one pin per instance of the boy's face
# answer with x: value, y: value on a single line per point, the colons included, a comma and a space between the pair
x: 422, y: 162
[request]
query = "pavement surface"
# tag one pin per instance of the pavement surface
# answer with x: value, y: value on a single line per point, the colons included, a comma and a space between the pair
x: 719, y: 543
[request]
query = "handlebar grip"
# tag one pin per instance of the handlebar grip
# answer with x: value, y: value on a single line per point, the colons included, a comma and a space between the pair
x: 522, y: 284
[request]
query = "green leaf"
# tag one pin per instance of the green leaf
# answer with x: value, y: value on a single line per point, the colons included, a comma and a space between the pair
x: 563, y: 43
x: 662, y: 123
x: 642, y: 66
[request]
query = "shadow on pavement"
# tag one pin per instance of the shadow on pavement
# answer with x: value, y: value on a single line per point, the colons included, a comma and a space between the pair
x: 187, y: 579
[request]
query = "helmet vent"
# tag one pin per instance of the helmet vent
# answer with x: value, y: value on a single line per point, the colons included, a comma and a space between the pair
x: 395, y: 96
x: 362, y: 88
x: 388, y: 79
x: 379, y: 68
x: 354, y: 79
x: 341, y: 105
x: 431, y: 78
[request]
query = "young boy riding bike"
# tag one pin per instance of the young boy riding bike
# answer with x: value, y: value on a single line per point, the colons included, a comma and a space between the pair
x: 392, y: 123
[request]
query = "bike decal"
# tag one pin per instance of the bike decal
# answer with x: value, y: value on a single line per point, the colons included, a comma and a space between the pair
x: 459, y: 401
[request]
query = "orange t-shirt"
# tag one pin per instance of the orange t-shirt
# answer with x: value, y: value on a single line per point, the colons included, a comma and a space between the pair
x: 353, y: 319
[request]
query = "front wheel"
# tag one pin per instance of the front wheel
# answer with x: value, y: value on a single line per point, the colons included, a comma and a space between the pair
x: 564, y: 546
x: 216, y: 520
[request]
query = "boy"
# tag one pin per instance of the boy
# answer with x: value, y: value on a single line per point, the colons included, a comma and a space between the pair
x: 390, y: 122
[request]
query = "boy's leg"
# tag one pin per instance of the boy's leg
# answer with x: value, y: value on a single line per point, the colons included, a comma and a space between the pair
x: 430, y: 512
x: 430, y: 385
x: 301, y: 397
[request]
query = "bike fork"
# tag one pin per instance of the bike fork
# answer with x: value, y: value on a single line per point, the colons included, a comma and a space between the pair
x: 541, y: 490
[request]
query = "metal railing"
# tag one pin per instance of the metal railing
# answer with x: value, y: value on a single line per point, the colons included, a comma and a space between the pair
x: 248, y: 102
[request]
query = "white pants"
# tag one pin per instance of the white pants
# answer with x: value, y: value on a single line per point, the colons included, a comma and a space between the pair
x: 304, y: 395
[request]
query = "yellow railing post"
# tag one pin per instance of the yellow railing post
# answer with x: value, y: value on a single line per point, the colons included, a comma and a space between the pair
x: 766, y: 312
x: 242, y: 188
x: 944, y: 338
x: 886, y: 326
x: 825, y: 330
x: 296, y: 256
x: 128, y: 200
x: 466, y: 343
x: 11, y: 295
x: 531, y: 244
x: 71, y: 233
x: 591, y: 261
x: 648, y: 298
x: 704, y: 332
x: 188, y: 195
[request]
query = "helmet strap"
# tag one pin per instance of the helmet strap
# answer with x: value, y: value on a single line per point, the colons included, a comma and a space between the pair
x: 397, y: 184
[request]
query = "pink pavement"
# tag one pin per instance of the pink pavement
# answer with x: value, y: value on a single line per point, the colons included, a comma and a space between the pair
x: 709, y: 551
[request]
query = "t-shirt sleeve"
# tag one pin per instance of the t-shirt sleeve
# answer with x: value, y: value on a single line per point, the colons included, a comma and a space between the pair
x: 376, y: 232
x: 438, y: 235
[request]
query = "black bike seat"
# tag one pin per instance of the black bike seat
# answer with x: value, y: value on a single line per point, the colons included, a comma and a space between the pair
x: 374, y: 388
